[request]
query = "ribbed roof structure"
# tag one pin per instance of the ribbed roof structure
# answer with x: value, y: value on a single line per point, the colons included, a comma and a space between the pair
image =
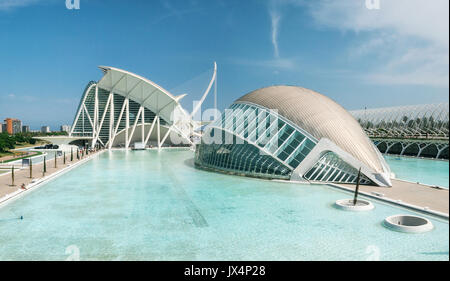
x: 321, y: 117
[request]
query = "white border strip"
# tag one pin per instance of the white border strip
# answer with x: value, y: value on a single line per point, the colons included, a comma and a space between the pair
x: 400, y: 203
x: 376, y: 196
x: 435, y: 186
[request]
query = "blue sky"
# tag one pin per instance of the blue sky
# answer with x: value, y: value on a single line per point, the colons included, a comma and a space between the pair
x: 395, y: 55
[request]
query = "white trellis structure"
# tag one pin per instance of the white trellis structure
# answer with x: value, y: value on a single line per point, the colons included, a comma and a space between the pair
x: 419, y: 148
x: 124, y: 108
x: 414, y: 130
x: 413, y: 121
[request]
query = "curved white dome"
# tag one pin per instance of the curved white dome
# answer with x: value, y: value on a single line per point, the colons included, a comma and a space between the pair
x: 322, y: 118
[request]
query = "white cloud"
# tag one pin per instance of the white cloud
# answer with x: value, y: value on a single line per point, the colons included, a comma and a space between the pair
x: 419, y: 18
x: 408, y: 38
x: 275, y: 18
x: 372, y: 46
x: 418, y: 66
x: 6, y: 5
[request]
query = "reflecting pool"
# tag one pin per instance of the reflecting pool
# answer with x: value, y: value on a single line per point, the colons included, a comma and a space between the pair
x: 432, y: 172
x: 150, y: 205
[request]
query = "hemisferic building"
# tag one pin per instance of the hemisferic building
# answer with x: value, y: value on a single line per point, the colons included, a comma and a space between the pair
x: 291, y: 133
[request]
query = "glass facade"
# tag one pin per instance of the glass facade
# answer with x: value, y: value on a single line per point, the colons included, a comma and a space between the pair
x: 254, y: 141
x: 83, y: 127
x: 330, y: 168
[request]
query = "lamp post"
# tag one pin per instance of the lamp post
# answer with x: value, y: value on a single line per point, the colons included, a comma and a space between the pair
x: 12, y: 175
x: 31, y: 168
x: 44, y: 170
x: 355, y: 199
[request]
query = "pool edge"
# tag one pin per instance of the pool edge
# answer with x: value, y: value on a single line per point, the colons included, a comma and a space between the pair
x: 9, y: 198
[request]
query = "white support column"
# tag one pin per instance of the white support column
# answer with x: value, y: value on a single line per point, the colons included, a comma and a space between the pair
x: 440, y: 150
x: 95, y: 121
x: 86, y: 112
x: 120, y: 117
x: 158, y: 132
x: 95, y: 110
x: 167, y: 134
x: 101, y: 122
x: 82, y: 120
x: 389, y: 146
x: 151, y: 130
x: 404, y: 147
x: 80, y: 110
x: 134, y: 125
x: 111, y: 121
x: 142, y: 125
x: 127, y: 122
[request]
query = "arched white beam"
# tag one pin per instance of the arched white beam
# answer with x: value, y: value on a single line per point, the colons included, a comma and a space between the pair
x: 140, y: 90
x: 85, y: 94
x: 199, y: 104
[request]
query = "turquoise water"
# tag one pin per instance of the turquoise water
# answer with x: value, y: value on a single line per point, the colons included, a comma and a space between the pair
x: 432, y: 172
x: 149, y: 205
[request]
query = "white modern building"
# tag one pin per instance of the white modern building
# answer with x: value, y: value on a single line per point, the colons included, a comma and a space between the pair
x: 123, y: 108
x: 126, y: 110
x: 291, y: 133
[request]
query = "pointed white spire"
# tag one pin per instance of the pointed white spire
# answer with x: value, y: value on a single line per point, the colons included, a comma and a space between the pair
x: 199, y: 104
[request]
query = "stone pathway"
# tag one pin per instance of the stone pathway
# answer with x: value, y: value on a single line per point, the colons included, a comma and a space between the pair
x: 412, y: 193
x: 22, y: 176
